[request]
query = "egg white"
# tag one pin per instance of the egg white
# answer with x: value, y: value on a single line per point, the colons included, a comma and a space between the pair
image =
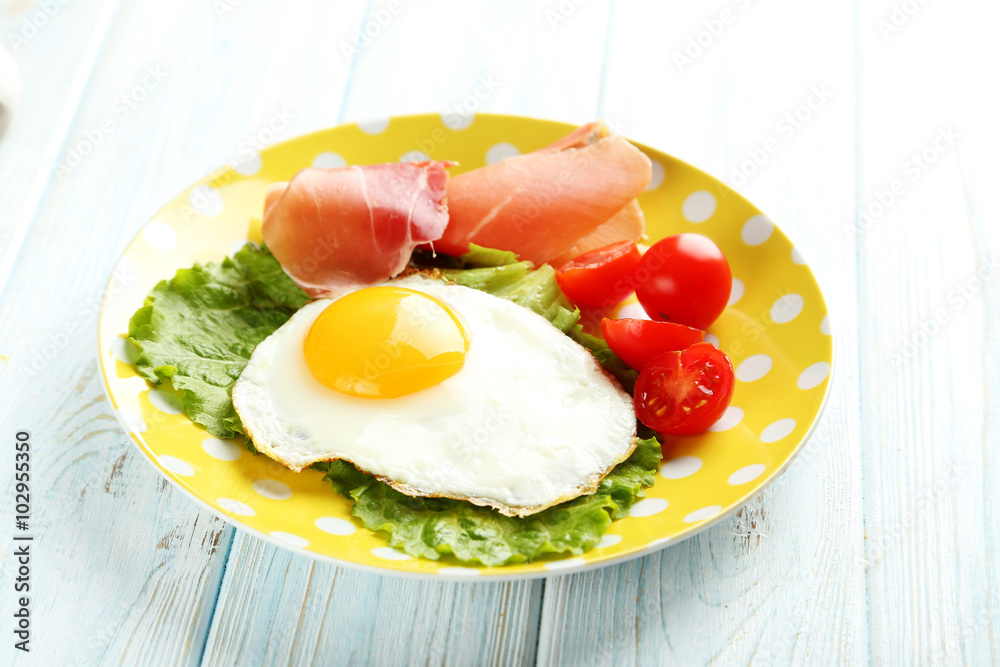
x: 531, y: 420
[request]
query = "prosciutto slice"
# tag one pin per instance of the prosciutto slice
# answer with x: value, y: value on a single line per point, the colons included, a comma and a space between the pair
x: 338, y: 229
x: 574, y: 195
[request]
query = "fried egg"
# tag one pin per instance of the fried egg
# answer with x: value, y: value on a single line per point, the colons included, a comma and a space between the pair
x: 439, y: 390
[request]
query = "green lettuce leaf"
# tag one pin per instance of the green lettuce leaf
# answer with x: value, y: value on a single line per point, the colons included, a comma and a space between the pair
x: 432, y: 527
x: 197, y: 330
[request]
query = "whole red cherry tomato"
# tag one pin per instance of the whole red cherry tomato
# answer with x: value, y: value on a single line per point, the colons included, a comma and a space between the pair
x: 685, y: 279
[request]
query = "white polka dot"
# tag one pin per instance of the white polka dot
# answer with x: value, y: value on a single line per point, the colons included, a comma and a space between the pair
x: 166, y: 401
x: 175, y: 465
x: 699, y: 206
x: 787, y: 308
x: 814, y: 375
x: 756, y: 230
x: 328, y: 160
x: 711, y: 338
x: 290, y: 539
x: 703, y: 513
x: 657, y: 177
x: 797, y: 257
x: 159, y: 236
x: 235, y: 507
x: 754, y: 368
x: 681, y: 467
x: 459, y: 571
x: 501, y: 151
x: 747, y: 474
x: 388, y: 553
x: 374, y: 126
x: 123, y: 350
x: 778, y: 430
x: 608, y: 541
x: 414, y: 156
x: 132, y: 422
x: 633, y: 311
x: 730, y: 418
x: 134, y: 385
x: 237, y: 246
x: 206, y: 200
x: 457, y: 120
x: 335, y: 526
x: 648, y: 507
x: 273, y: 489
x: 825, y: 327
x: 224, y: 450
x: 565, y: 563
x: 250, y: 165
x: 737, y: 292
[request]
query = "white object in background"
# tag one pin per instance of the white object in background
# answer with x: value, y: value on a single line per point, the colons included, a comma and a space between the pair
x: 10, y: 88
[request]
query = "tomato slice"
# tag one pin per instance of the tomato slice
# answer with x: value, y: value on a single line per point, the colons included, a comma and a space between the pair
x: 637, y: 342
x: 684, y: 278
x: 600, y: 278
x: 683, y: 393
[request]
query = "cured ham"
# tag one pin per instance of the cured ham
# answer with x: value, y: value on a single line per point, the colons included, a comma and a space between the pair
x: 572, y: 196
x: 337, y: 229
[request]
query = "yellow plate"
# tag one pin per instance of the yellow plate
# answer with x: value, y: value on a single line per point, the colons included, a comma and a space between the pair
x: 776, y: 331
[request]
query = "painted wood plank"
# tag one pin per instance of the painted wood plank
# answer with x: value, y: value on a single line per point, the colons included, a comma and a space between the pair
x: 335, y: 610
x: 128, y: 569
x: 39, y: 35
x: 782, y: 581
x: 315, y: 613
x: 928, y: 126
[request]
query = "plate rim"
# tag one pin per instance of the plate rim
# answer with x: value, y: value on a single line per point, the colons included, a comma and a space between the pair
x: 483, y: 574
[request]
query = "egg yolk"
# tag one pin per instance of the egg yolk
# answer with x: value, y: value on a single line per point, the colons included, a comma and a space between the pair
x: 385, y: 342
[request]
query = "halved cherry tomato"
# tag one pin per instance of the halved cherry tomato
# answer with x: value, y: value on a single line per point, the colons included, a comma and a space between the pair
x: 600, y: 278
x: 683, y: 393
x: 684, y: 278
x: 637, y: 342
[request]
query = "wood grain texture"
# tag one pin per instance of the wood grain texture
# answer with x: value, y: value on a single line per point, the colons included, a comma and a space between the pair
x: 277, y: 609
x: 930, y: 340
x: 782, y: 581
x: 878, y: 545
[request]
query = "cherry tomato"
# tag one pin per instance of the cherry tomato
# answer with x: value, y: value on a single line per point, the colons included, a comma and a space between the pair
x: 685, y: 279
x: 600, y: 278
x: 683, y: 393
x: 637, y: 342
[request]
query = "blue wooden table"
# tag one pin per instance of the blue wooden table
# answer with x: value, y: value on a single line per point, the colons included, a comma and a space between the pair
x: 867, y: 130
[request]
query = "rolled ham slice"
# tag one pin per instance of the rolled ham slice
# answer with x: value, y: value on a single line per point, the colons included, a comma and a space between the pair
x: 334, y: 230
x: 575, y: 195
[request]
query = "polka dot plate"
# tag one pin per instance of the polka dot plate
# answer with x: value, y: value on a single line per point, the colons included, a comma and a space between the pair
x: 776, y: 331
